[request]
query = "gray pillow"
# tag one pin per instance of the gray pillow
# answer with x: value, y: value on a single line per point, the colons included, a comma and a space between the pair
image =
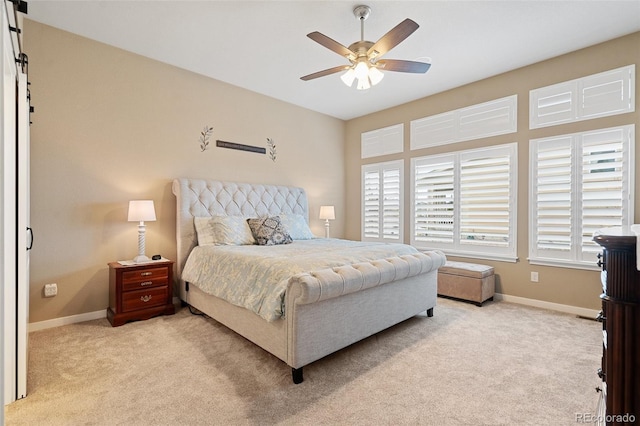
x: 269, y: 231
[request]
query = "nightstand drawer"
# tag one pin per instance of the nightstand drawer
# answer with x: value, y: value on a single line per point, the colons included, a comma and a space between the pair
x: 147, y: 274
x: 142, y: 284
x: 142, y: 299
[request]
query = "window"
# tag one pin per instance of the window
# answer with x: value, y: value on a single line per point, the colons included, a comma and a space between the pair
x: 382, y: 189
x: 579, y: 183
x: 465, y: 202
x: 388, y: 140
x: 497, y: 117
x: 598, y: 95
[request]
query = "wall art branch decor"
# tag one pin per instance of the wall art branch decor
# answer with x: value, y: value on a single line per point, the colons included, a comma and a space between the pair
x: 272, y: 149
x: 205, y: 134
x: 241, y: 147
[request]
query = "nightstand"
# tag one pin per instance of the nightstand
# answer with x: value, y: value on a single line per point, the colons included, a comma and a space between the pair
x: 140, y: 291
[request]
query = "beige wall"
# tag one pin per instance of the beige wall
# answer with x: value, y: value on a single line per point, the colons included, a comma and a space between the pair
x: 110, y: 126
x: 557, y: 285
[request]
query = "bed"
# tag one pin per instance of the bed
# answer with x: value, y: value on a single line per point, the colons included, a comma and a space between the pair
x: 320, y: 307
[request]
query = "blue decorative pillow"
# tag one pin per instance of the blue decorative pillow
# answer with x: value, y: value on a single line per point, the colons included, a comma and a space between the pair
x: 296, y: 225
x: 268, y: 231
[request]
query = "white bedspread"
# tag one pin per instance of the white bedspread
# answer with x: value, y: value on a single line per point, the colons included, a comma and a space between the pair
x: 255, y: 277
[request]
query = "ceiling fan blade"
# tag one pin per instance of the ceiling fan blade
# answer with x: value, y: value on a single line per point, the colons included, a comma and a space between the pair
x: 324, y: 72
x: 393, y: 38
x: 331, y: 44
x: 403, y: 66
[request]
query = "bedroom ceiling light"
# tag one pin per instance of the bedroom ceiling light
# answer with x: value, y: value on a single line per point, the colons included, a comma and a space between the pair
x: 367, y: 75
x: 141, y: 211
x: 327, y: 213
x: 364, y: 56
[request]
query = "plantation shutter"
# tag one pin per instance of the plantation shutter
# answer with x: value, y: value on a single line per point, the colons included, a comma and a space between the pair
x: 604, y: 184
x: 580, y: 183
x: 553, y: 196
x: 434, y: 180
x: 391, y: 219
x: 382, y: 188
x: 371, y: 204
x: 484, y: 198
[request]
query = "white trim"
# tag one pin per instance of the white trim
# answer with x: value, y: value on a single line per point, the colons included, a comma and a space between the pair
x: 72, y: 319
x: 472, y: 255
x: 575, y: 310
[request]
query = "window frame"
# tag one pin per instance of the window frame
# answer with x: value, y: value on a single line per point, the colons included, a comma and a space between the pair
x: 380, y: 168
x: 456, y: 247
x: 579, y: 256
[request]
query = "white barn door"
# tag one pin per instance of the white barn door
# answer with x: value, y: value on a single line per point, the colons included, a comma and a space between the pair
x: 9, y: 210
x: 25, y: 238
x: 14, y: 213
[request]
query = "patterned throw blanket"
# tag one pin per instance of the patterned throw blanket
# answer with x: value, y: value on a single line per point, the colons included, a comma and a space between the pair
x: 255, y: 277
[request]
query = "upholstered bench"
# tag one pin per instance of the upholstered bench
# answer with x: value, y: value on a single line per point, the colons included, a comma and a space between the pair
x: 466, y: 281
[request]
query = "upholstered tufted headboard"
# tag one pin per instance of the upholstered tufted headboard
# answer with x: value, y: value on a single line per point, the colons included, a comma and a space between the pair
x: 203, y: 198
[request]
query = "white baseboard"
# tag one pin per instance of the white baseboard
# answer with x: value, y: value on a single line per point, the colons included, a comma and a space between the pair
x: 72, y: 319
x: 582, y: 312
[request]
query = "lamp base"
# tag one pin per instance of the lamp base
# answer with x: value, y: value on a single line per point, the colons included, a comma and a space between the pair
x: 141, y: 259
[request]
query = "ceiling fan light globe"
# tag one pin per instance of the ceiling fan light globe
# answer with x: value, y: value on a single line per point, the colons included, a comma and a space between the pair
x: 375, y: 75
x: 348, y: 77
x: 361, y: 71
x: 363, y: 83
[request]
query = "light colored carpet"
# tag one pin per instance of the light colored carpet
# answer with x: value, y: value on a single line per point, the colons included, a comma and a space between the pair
x: 501, y: 364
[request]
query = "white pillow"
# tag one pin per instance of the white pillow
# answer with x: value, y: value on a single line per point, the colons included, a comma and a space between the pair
x: 223, y: 231
x: 297, y: 226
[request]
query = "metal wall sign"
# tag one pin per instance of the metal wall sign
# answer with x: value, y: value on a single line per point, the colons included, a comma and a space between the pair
x: 241, y: 147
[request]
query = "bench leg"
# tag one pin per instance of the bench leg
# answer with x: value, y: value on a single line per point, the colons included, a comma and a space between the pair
x: 430, y: 312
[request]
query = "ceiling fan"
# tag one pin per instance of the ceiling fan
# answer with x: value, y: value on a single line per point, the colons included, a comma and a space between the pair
x: 364, y: 56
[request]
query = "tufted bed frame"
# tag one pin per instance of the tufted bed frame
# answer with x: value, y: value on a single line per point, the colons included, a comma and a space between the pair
x: 326, y: 310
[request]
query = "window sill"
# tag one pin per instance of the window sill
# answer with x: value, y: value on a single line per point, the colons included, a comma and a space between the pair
x: 485, y: 256
x: 561, y: 264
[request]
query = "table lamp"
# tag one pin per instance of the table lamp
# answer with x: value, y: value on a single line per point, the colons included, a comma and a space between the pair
x: 327, y: 213
x: 141, y: 211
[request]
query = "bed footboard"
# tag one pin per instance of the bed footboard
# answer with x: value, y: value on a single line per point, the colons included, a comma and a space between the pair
x: 312, y: 287
x: 330, y: 309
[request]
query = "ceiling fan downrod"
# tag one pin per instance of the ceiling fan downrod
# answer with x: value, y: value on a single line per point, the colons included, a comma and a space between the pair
x: 362, y: 12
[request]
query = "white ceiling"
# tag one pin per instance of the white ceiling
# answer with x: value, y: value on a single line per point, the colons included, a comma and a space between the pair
x: 262, y: 45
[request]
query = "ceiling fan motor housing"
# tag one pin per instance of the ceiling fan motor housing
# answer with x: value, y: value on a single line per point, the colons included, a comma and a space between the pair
x: 362, y: 12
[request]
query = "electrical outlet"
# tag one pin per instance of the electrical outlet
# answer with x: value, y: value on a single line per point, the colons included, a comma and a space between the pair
x: 50, y: 290
x: 534, y: 277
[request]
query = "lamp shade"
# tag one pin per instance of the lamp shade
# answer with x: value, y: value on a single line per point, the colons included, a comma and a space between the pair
x: 327, y: 213
x: 375, y: 75
x: 348, y: 77
x: 141, y: 211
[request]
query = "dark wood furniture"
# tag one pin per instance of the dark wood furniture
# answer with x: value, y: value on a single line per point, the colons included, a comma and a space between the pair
x: 620, y: 318
x: 139, y: 292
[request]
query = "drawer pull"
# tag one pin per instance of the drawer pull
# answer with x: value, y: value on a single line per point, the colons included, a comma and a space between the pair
x: 146, y: 283
x: 146, y: 274
x: 145, y: 298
